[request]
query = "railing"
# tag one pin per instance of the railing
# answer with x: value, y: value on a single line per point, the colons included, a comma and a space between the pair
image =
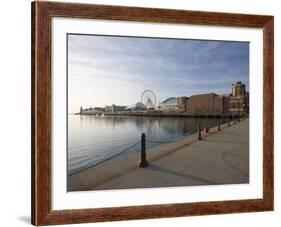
x: 239, y: 118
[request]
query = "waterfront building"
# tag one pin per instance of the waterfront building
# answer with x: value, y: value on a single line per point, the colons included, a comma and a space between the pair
x: 86, y: 111
x: 238, y: 89
x: 169, y: 105
x: 221, y: 104
x: 136, y: 106
x: 235, y: 103
x: 108, y: 108
x: 114, y: 108
x: 183, y: 104
x: 91, y: 110
x: 98, y: 109
x: 203, y: 103
x: 208, y: 104
x: 239, y: 99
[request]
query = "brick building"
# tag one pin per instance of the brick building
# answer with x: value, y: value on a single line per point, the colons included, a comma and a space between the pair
x: 235, y: 103
x: 221, y: 104
x: 203, y: 103
x: 208, y: 104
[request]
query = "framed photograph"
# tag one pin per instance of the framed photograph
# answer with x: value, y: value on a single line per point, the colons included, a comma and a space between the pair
x: 142, y: 113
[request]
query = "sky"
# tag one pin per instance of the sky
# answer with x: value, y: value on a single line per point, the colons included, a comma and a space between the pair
x: 106, y: 70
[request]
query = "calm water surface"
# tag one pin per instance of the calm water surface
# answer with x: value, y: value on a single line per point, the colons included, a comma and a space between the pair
x: 94, y: 139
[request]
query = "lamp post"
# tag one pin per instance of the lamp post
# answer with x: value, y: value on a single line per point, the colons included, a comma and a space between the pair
x: 244, y: 109
x: 238, y: 108
x: 199, y: 130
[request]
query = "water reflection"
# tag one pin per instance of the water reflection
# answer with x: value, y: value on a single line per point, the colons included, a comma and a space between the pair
x: 92, y: 139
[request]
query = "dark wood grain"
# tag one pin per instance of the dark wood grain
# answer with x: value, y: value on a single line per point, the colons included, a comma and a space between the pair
x: 41, y: 112
x: 268, y: 113
x: 42, y: 12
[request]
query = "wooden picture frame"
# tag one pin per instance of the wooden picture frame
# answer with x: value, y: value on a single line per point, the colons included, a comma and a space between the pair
x: 42, y: 12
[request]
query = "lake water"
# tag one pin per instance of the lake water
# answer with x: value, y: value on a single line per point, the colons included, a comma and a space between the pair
x: 95, y: 139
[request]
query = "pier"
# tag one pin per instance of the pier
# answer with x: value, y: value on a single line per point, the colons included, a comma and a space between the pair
x: 220, y: 157
x: 163, y: 114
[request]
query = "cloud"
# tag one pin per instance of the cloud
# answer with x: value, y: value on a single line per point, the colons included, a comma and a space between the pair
x: 126, y: 65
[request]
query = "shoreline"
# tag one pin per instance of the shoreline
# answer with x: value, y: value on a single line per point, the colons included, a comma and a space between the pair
x: 158, y: 114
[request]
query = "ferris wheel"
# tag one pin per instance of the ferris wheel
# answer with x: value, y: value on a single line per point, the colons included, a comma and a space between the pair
x: 148, y: 98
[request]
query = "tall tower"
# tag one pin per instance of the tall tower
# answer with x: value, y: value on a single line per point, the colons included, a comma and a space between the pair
x: 81, y: 109
x: 238, y: 89
x: 239, y: 100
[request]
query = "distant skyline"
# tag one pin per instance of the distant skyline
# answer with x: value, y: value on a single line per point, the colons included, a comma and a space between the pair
x: 106, y: 70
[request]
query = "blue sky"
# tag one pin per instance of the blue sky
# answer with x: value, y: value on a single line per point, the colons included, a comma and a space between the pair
x: 105, y: 70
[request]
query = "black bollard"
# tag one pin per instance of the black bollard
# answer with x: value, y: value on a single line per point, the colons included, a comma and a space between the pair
x: 143, y: 162
x: 199, y: 130
x: 228, y: 122
x: 219, y: 126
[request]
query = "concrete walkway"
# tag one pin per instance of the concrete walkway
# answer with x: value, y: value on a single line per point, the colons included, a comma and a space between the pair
x: 220, y: 158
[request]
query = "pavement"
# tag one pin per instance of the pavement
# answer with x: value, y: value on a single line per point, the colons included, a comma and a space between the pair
x: 222, y: 157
